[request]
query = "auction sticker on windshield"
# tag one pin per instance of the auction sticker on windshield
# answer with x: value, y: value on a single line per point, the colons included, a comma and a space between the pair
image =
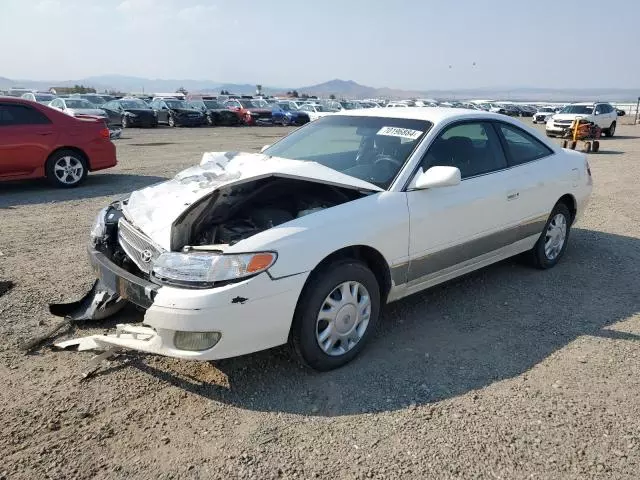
x: 400, y: 132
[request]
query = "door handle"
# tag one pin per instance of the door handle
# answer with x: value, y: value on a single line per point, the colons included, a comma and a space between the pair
x: 513, y: 195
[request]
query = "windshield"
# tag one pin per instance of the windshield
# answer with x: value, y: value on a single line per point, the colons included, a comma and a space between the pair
x: 213, y: 104
x: 253, y: 103
x: 44, y: 97
x: 285, y: 106
x: 176, y: 104
x: 583, y: 109
x: 373, y: 149
x: 78, y: 103
x: 134, y: 104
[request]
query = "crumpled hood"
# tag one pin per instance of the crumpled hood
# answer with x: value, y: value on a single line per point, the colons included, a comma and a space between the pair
x: 154, y: 209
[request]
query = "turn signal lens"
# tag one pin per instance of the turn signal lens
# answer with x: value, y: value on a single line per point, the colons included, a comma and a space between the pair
x: 260, y: 261
x: 104, y: 133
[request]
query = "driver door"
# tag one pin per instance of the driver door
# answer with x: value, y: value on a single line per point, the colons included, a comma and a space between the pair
x: 452, y: 226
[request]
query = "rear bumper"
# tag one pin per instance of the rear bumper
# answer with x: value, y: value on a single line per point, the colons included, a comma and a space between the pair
x: 101, y: 154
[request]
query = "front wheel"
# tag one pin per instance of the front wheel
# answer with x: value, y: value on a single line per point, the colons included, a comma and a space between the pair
x: 553, y: 242
x: 125, y: 121
x: 336, y: 314
x: 172, y: 121
x: 610, y: 132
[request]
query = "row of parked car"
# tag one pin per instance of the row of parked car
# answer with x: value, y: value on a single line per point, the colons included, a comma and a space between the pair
x: 175, y: 111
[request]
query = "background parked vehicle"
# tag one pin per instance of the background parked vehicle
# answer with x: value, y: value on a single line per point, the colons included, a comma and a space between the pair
x: 285, y: 115
x: 43, y: 98
x: 94, y: 98
x: 78, y: 107
x: 315, y: 111
x: 216, y: 113
x: 37, y: 141
x: 600, y: 113
x: 130, y: 112
x: 252, y: 111
x: 177, y: 113
x: 543, y: 114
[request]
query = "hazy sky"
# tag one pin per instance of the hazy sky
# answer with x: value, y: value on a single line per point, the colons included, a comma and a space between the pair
x: 401, y: 43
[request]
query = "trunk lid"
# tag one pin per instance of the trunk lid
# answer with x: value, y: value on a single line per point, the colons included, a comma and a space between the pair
x: 154, y: 209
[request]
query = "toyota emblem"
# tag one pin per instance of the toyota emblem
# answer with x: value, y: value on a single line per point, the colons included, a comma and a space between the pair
x: 146, y: 256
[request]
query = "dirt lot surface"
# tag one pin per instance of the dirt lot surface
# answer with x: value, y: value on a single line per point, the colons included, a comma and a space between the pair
x: 507, y: 373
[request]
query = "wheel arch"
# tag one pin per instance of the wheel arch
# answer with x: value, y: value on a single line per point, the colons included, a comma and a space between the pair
x: 77, y: 150
x: 570, y: 202
x: 371, y: 257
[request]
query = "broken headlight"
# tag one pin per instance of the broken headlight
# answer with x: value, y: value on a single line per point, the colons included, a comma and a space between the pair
x: 99, y: 229
x: 207, y: 268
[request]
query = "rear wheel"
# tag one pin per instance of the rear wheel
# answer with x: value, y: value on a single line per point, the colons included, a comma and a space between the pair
x: 172, y: 121
x: 565, y: 143
x: 573, y: 145
x: 596, y: 146
x: 66, y: 169
x: 336, y: 314
x: 587, y: 147
x: 553, y: 242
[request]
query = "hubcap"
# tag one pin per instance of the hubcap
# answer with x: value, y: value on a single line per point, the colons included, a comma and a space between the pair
x: 68, y: 170
x: 555, y: 236
x: 343, y: 318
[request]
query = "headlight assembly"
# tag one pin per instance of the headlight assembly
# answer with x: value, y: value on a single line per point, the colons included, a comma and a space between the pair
x: 203, y: 269
x: 99, y: 228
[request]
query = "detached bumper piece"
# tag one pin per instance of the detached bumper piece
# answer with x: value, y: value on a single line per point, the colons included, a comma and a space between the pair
x: 124, y: 336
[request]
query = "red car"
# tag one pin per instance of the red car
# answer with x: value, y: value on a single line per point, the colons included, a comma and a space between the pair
x: 37, y: 141
x: 252, y: 111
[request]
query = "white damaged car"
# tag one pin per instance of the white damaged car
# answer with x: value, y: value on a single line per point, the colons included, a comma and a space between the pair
x: 305, y: 242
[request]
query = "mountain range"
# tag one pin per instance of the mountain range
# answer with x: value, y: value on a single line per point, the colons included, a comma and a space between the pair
x: 337, y: 87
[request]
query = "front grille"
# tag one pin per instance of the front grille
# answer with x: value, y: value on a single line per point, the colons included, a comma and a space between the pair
x: 137, y: 246
x: 563, y: 122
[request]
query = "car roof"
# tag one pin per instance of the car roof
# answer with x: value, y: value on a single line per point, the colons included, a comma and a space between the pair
x: 431, y: 114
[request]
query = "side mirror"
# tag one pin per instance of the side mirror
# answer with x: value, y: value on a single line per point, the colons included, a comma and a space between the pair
x: 264, y: 148
x: 438, y: 176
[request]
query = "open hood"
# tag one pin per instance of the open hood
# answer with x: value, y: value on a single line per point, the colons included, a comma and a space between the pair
x: 154, y: 209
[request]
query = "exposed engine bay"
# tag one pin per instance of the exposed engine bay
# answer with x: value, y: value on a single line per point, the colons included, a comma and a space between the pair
x: 242, y: 211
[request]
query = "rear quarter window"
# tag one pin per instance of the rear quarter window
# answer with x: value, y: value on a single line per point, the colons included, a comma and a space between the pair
x: 520, y: 146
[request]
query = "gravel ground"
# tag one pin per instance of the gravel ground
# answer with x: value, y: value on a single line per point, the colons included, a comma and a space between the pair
x: 507, y: 373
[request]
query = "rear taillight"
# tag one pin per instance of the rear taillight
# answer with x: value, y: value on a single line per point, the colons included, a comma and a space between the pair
x: 104, y: 133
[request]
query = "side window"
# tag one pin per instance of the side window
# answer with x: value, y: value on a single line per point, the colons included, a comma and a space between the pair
x: 600, y: 109
x: 11, y: 115
x: 473, y: 147
x: 522, y: 147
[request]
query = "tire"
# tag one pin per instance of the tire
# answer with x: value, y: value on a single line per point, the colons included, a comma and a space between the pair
x: 538, y: 254
x: 610, y: 132
x: 587, y: 147
x: 565, y: 143
x: 154, y: 125
x: 172, y: 121
x: 596, y: 146
x: 573, y: 145
x: 210, y: 121
x: 285, y: 121
x: 66, y: 169
x: 125, y: 122
x: 322, y: 287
